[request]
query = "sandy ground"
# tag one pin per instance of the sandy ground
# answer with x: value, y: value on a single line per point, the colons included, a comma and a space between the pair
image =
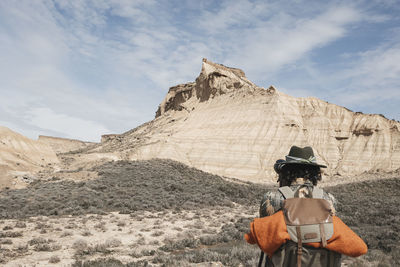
x: 58, y: 241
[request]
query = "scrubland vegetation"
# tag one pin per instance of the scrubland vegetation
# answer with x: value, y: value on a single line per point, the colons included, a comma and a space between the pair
x: 371, y: 209
x: 127, y: 187
x: 176, y: 216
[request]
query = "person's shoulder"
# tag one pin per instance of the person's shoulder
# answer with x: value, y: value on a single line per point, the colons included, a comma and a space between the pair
x: 271, y: 194
x: 270, y: 203
x: 332, y: 201
x: 328, y: 196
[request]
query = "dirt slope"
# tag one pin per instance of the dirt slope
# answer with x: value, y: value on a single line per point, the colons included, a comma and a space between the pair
x: 20, y: 157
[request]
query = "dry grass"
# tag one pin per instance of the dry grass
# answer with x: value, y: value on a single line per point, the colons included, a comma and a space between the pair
x: 162, y: 213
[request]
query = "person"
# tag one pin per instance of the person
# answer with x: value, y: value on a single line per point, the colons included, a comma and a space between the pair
x: 301, y: 173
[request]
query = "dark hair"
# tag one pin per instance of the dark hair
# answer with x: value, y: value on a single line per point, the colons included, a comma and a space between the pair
x: 290, y: 172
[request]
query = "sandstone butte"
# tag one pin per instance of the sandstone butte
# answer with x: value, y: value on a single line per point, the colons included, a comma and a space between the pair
x: 224, y: 124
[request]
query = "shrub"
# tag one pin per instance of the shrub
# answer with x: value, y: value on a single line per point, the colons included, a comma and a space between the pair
x: 100, y: 226
x: 41, y: 244
x: 113, y: 242
x: 99, y: 248
x: 86, y: 232
x: 109, y: 262
x: 6, y: 241
x: 209, y: 240
x: 66, y: 233
x: 22, y: 248
x: 180, y: 244
x: 10, y: 234
x: 236, y: 254
x: 121, y: 224
x: 37, y: 240
x: 40, y: 225
x: 154, y: 242
x: 42, y: 247
x: 54, y: 259
x: 79, y: 244
x: 20, y: 224
x: 148, y: 252
x: 157, y: 233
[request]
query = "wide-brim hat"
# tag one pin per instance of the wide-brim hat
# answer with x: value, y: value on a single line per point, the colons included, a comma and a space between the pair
x: 298, y: 155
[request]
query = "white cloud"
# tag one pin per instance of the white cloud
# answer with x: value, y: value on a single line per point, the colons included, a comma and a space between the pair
x: 108, y: 64
x: 379, y: 66
x: 366, y: 81
x: 232, y: 14
x: 373, y: 77
x: 266, y: 49
x: 132, y: 9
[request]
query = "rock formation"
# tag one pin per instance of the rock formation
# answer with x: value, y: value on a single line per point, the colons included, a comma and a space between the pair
x: 20, y: 157
x: 225, y: 124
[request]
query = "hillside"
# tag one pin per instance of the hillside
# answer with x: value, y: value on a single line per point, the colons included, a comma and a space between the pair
x: 123, y: 186
x: 21, y: 157
x: 224, y: 124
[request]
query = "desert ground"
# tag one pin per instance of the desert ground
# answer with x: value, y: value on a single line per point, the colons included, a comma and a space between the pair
x: 164, y: 213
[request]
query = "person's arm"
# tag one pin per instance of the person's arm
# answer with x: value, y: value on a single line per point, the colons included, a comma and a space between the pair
x: 332, y: 201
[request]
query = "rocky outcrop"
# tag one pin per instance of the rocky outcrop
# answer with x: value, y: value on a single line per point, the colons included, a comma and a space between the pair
x: 108, y: 137
x: 20, y: 157
x: 213, y: 80
x: 225, y: 124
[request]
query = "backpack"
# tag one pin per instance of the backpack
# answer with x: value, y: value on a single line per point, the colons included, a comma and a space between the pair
x: 307, y: 220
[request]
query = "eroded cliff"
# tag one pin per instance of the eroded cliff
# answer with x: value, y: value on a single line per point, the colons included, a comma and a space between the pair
x: 225, y: 124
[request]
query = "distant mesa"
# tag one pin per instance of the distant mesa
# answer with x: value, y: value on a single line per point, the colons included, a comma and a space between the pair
x: 63, y: 145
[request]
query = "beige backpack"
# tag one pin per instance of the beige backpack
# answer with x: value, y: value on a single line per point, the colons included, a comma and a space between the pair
x: 308, y: 220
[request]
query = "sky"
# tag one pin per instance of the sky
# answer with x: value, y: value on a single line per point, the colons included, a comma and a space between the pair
x: 79, y: 69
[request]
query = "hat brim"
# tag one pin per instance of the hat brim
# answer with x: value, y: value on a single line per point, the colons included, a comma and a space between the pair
x: 303, y: 163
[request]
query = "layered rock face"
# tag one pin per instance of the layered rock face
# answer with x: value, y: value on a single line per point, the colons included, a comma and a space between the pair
x: 20, y: 157
x: 225, y: 124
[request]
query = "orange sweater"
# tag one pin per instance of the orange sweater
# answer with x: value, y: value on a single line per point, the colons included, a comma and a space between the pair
x: 269, y: 233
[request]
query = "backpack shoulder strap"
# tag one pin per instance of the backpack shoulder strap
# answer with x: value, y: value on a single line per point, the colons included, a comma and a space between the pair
x: 286, y: 192
x: 317, y: 192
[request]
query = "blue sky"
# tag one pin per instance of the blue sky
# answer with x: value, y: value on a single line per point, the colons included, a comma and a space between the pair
x: 80, y: 69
